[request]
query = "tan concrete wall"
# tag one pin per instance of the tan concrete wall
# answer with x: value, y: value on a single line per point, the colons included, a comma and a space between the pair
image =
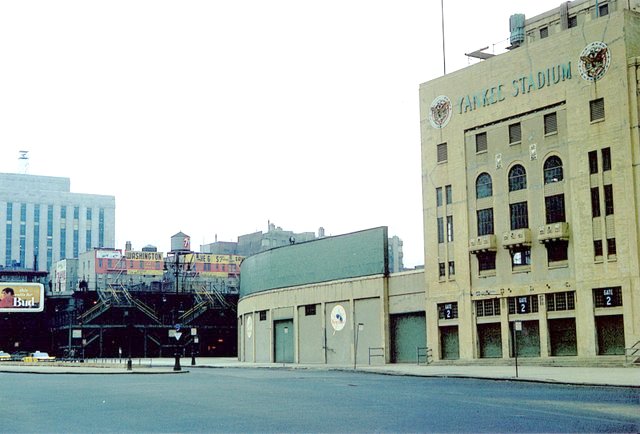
x: 576, y: 136
x: 365, y: 302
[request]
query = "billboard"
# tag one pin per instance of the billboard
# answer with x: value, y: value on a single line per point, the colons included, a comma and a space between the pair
x: 21, y: 297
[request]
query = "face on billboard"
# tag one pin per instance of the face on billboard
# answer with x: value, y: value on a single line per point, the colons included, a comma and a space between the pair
x: 21, y: 297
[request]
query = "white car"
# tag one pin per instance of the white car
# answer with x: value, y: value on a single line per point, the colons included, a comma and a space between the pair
x: 4, y: 356
x: 38, y: 356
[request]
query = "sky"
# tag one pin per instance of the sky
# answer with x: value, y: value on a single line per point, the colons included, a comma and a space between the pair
x: 216, y: 117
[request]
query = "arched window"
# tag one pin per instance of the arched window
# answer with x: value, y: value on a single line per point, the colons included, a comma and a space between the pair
x: 552, y: 170
x: 517, y: 178
x: 484, y: 187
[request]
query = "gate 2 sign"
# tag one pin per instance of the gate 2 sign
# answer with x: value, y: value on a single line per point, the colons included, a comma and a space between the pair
x: 338, y: 317
x: 21, y: 297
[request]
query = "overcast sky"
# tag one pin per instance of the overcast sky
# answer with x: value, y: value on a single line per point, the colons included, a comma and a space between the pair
x: 213, y: 117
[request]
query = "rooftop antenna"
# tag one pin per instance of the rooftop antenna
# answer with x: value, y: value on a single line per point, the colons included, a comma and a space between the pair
x: 444, y: 56
x: 24, y: 161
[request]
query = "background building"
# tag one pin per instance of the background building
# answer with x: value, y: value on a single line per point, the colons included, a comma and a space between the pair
x: 41, y: 221
x: 530, y: 165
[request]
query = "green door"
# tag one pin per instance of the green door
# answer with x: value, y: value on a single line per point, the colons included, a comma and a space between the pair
x: 283, y: 341
x: 610, y: 335
x: 408, y: 332
x: 490, y: 340
x: 562, y: 337
x: 449, y: 345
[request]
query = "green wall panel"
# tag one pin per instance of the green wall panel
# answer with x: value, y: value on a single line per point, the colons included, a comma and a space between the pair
x: 357, y: 254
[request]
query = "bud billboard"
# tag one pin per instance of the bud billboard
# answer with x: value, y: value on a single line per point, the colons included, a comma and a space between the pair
x: 21, y: 297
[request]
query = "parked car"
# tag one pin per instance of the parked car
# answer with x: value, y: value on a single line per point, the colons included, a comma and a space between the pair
x: 4, y: 356
x: 19, y: 355
x: 39, y: 356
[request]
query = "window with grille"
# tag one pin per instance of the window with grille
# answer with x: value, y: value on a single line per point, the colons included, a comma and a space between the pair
x: 607, y: 297
x: 448, y: 310
x: 263, y: 315
x: 595, y: 202
x: 606, y: 159
x: 486, y: 261
x: 440, y: 230
x: 484, y: 186
x: 596, y: 109
x: 517, y: 178
x: 439, y: 196
x: 450, y: 228
x: 310, y: 309
x: 520, y: 256
x: 442, y: 152
x: 519, y: 215
x: 573, y: 21
x: 523, y: 304
x: 550, y: 123
x: 593, y: 162
x: 481, y: 142
x: 561, y: 301
x: 554, y: 208
x: 553, y: 170
x: 485, y: 221
x: 557, y: 251
x: 611, y: 246
x: 597, y: 248
x: 544, y: 32
x: 608, y: 199
x: 490, y: 307
x: 515, y: 133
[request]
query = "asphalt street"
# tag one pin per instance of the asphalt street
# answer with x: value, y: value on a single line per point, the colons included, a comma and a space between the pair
x: 283, y: 400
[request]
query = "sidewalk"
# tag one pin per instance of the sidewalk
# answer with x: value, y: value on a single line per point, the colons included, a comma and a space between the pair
x: 604, y: 376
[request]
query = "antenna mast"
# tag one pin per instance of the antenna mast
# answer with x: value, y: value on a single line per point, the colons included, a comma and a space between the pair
x: 24, y: 161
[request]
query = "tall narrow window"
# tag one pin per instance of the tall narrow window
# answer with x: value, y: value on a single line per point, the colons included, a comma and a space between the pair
x: 553, y: 170
x: 448, y: 194
x: 596, y: 109
x: 481, y: 142
x: 439, y: 196
x: 484, y: 186
x: 593, y: 162
x: 519, y: 215
x: 550, y: 123
x: 606, y: 159
x: 554, y: 207
x: 440, y: 230
x: 452, y: 268
x: 517, y: 178
x: 595, y: 202
x: 441, y: 270
x: 611, y: 246
x: 442, y: 152
x: 515, y: 133
x: 597, y: 248
x: 608, y: 199
x: 449, y: 228
x: 485, y: 221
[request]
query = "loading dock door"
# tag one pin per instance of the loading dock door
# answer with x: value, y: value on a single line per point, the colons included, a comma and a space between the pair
x: 408, y: 332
